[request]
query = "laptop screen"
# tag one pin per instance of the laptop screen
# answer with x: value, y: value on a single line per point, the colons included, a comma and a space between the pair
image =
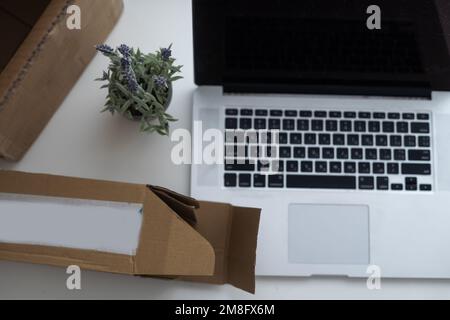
x: 392, y: 47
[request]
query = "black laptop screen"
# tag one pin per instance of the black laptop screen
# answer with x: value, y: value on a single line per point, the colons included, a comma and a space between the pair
x: 320, y: 45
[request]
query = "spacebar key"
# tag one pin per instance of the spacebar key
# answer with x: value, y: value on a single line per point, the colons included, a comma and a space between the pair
x: 321, y: 182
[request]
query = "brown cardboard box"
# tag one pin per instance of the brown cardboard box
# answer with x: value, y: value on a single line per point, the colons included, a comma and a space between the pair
x: 41, y: 60
x: 179, y: 237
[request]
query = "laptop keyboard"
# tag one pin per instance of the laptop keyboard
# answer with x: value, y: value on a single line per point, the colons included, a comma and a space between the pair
x: 377, y: 151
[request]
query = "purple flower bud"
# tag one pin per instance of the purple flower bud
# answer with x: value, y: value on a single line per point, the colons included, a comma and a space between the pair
x: 125, y: 50
x: 160, y: 81
x: 166, y: 53
x: 105, y: 49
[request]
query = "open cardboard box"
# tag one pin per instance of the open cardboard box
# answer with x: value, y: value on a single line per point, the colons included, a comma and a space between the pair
x: 125, y: 228
x: 41, y: 60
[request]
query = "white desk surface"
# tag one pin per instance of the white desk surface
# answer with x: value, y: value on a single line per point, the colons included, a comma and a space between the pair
x: 79, y: 141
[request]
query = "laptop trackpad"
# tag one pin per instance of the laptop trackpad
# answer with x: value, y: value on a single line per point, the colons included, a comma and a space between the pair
x: 328, y: 234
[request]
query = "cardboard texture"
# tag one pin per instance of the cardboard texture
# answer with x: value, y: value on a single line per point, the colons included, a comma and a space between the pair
x: 41, y: 60
x: 180, y: 237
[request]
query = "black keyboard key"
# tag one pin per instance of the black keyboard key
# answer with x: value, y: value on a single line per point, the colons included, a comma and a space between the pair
x: 382, y: 183
x: 314, y: 153
x: 371, y: 154
x: 385, y: 154
x: 394, y: 116
x: 246, y: 112
x: 261, y: 113
x: 231, y: 123
x: 245, y: 123
x: 350, y: 167
x: 357, y: 153
x: 424, y: 142
x: 264, y: 166
x: 231, y: 112
x: 399, y: 155
x: 303, y: 125
x: 367, y: 140
x: 426, y: 187
x: 402, y: 127
x: 353, y: 140
x: 310, y: 138
x: 378, y: 168
x: 317, y: 125
x: 364, y: 115
x: 397, y: 187
x: 230, y: 180
x: 299, y: 152
x: 410, y: 141
x: 360, y: 126
x: 366, y: 183
x: 411, y: 184
x: 245, y: 180
x: 274, y: 124
x: 307, y: 166
x: 416, y: 169
x: 321, y: 167
x: 276, y: 113
x: 423, y: 116
x: 388, y: 127
x: 419, y: 155
x: 331, y: 125
x: 345, y: 126
x: 338, y: 139
x: 288, y: 125
x: 381, y: 141
x: 259, y: 180
x: 335, y: 167
x: 283, y: 138
x: 396, y: 141
x: 290, y: 113
x: 321, y: 182
x: 374, y: 126
x: 238, y: 166
x: 335, y: 114
x: 328, y: 153
x: 276, y: 181
x: 350, y: 115
x: 320, y: 114
x: 379, y: 115
x: 342, y: 153
x: 408, y: 116
x: 292, y: 166
x: 260, y: 124
x: 324, y: 139
x: 296, y: 138
x: 393, y: 168
x: 420, y: 127
x: 364, y: 168
x: 285, y: 152
x: 306, y: 114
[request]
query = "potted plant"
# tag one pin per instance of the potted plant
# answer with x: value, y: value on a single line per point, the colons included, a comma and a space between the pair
x: 140, y: 85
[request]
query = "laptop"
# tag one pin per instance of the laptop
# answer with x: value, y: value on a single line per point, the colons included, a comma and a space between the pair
x: 350, y: 107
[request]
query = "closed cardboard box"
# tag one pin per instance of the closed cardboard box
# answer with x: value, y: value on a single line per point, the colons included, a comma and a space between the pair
x: 41, y: 60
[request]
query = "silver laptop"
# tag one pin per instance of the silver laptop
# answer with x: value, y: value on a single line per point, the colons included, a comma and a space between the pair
x: 354, y: 111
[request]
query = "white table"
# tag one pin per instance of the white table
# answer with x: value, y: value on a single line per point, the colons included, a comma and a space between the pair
x: 79, y: 141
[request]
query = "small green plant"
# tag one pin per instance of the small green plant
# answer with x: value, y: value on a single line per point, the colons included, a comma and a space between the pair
x: 140, y: 85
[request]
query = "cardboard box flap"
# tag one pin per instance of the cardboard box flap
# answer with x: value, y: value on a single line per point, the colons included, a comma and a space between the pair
x: 233, y: 233
x: 180, y: 249
x: 183, y: 206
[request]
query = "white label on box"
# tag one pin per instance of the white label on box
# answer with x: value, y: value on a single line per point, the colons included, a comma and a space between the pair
x: 79, y: 224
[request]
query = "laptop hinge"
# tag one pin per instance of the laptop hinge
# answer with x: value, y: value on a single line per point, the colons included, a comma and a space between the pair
x: 416, y: 90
